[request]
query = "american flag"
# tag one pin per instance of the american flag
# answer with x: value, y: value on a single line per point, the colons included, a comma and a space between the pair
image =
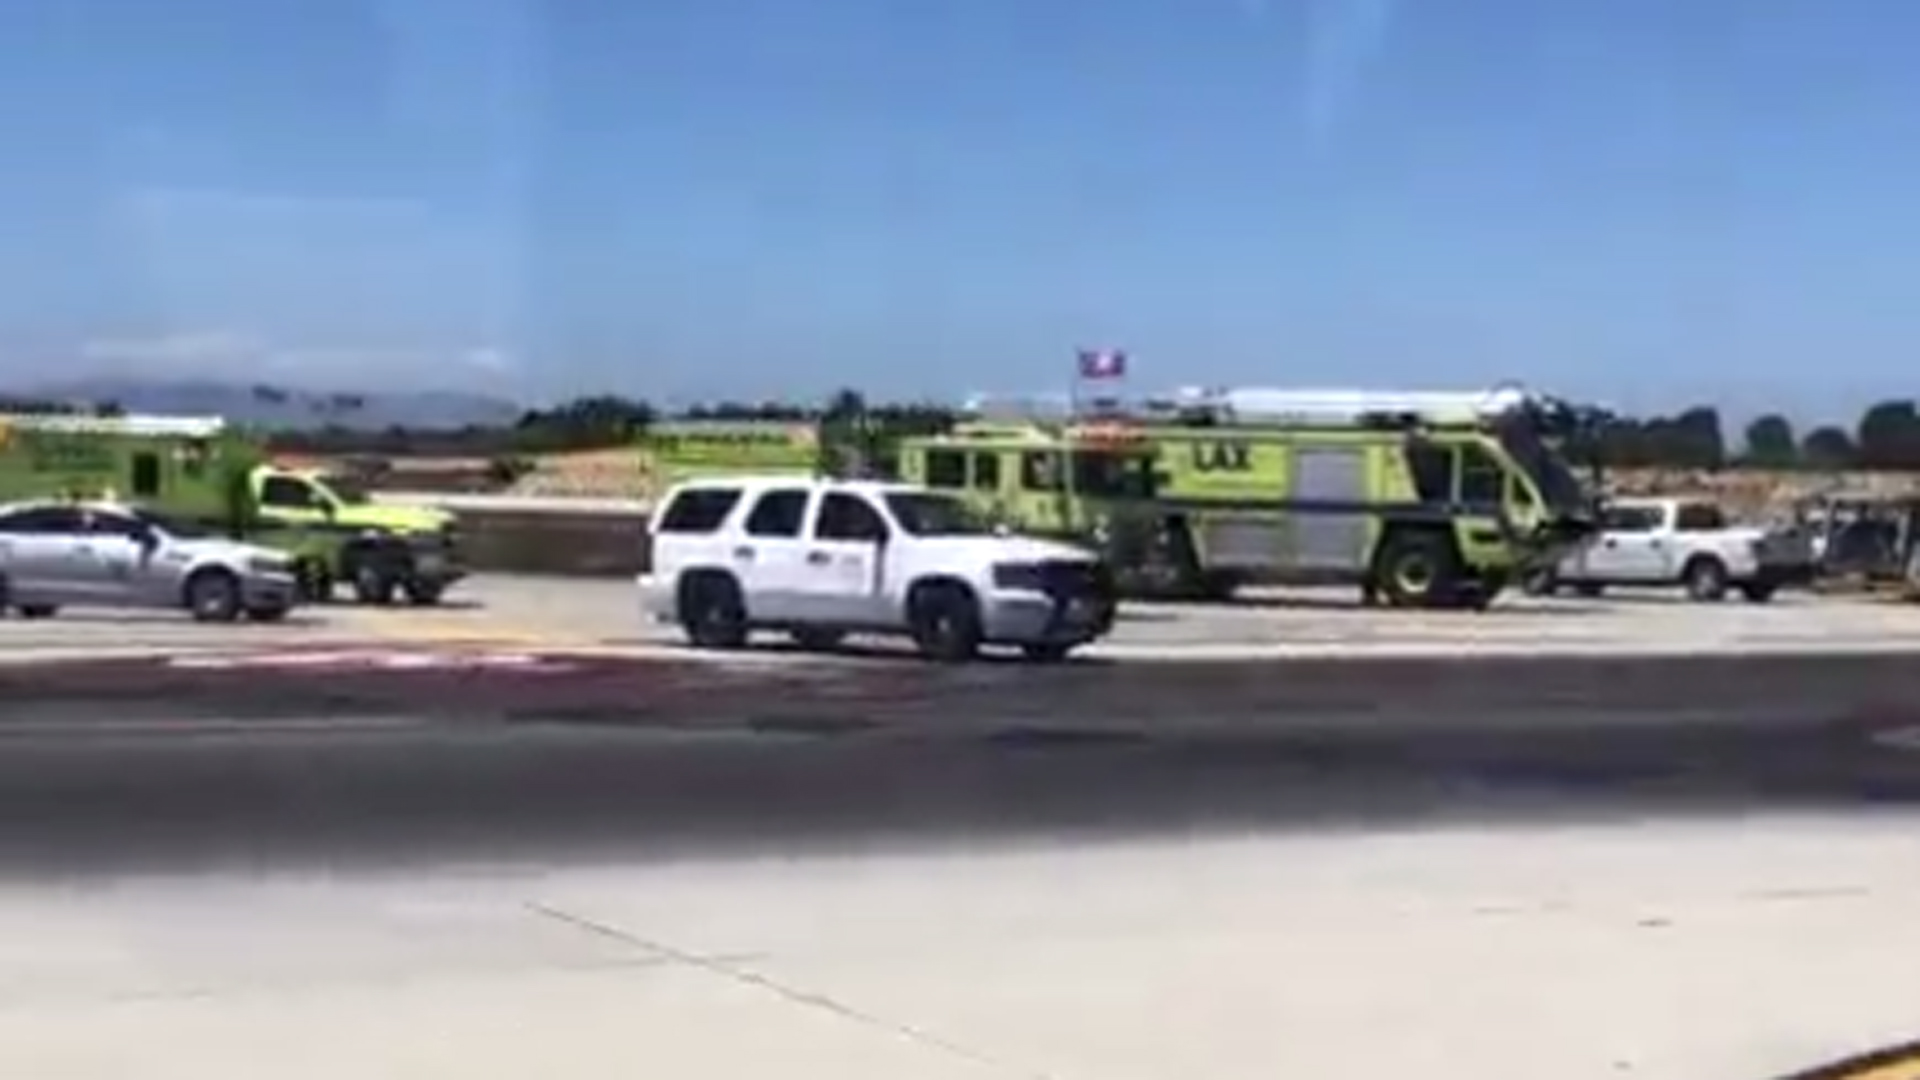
x: 1102, y: 364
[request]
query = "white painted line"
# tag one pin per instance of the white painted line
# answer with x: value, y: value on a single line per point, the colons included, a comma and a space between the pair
x: 1905, y: 739
x: 375, y: 660
x: 212, y: 726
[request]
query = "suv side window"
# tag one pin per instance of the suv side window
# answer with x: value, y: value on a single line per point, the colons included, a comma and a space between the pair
x: 849, y: 517
x: 698, y: 510
x: 778, y: 513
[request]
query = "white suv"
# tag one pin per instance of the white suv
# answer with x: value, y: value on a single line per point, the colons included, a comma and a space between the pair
x: 823, y: 558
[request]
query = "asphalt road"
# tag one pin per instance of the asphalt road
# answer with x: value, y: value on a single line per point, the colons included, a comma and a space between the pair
x: 117, y: 765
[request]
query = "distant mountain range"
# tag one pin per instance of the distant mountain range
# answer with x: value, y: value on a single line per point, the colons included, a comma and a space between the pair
x: 284, y: 407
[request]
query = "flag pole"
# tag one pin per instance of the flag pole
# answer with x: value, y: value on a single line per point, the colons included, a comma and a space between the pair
x: 1070, y: 511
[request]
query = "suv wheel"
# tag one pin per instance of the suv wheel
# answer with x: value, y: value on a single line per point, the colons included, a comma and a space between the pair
x: 945, y: 620
x: 712, y: 612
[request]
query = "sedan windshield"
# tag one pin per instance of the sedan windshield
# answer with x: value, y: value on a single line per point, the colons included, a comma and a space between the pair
x: 167, y: 525
x: 927, y: 514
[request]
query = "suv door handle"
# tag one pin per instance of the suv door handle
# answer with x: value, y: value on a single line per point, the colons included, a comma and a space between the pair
x: 743, y: 554
x: 818, y: 558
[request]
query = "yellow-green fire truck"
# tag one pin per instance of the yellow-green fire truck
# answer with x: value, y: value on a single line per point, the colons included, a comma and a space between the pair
x: 675, y: 451
x: 1421, y: 500
x: 204, y: 470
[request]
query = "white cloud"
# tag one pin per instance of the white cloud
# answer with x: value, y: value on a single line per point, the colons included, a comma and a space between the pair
x: 220, y: 347
x: 235, y: 354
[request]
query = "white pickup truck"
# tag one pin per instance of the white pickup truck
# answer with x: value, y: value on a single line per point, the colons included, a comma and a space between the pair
x: 1684, y: 542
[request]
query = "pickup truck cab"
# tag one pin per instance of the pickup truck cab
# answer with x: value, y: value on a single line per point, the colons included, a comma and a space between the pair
x: 820, y: 559
x: 1685, y: 542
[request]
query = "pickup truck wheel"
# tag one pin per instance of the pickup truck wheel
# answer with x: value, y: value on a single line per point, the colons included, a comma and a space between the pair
x: 815, y: 640
x: 313, y: 580
x: 423, y: 593
x: 945, y: 620
x: 213, y: 596
x: 1417, y: 570
x: 1705, y: 579
x: 370, y: 586
x: 713, y: 614
x: 1758, y: 592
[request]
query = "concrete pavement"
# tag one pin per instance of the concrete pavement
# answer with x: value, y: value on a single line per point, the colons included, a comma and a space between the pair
x: 1701, y: 866
x: 424, y: 898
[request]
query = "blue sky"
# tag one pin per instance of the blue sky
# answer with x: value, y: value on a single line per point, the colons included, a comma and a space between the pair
x: 1646, y: 201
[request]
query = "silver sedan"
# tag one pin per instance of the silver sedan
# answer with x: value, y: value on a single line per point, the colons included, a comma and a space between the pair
x: 67, y: 554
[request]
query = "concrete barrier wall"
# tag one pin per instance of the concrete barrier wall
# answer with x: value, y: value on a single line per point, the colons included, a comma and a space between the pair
x: 543, y: 542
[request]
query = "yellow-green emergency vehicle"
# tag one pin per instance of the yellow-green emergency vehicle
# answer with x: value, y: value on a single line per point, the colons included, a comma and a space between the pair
x: 1437, y: 499
x: 204, y: 470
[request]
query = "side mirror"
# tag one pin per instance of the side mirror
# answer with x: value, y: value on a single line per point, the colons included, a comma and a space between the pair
x: 147, y: 539
x: 328, y: 510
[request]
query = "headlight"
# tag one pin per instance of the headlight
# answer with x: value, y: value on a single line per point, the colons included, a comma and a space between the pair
x: 1024, y: 577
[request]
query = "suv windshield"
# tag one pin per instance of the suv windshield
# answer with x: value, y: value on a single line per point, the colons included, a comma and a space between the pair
x: 926, y: 514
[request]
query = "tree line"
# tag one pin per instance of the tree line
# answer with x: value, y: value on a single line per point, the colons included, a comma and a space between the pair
x: 1885, y: 437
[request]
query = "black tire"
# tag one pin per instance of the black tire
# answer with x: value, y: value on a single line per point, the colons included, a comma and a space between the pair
x: 1047, y: 652
x: 712, y: 612
x: 814, y: 639
x: 424, y: 593
x: 945, y: 621
x: 1758, y: 592
x: 1705, y: 579
x: 37, y: 611
x: 372, y: 586
x: 314, y: 581
x: 1218, y: 586
x: 1417, y: 569
x: 213, y: 596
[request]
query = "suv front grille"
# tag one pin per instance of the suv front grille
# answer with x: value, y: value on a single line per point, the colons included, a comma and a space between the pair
x: 1075, y: 580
